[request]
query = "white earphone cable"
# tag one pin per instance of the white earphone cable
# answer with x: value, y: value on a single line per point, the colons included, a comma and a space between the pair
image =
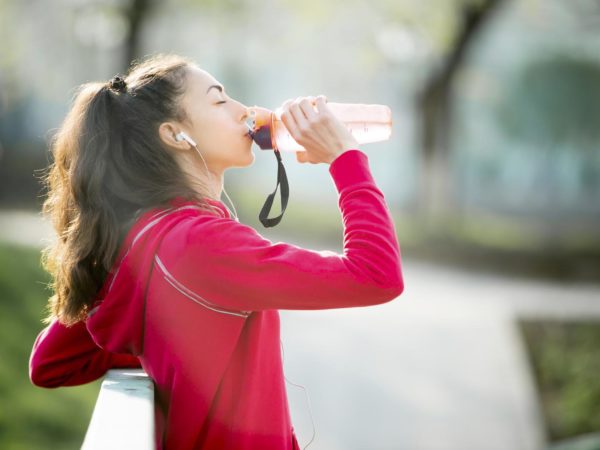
x: 314, y: 432
x: 235, y: 216
x: 282, y: 350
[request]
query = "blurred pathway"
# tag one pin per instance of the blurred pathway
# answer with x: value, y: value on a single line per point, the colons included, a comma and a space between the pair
x: 440, y: 368
x: 24, y: 228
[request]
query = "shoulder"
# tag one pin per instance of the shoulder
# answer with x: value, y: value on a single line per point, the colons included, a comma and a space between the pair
x: 204, y: 234
x: 209, y: 229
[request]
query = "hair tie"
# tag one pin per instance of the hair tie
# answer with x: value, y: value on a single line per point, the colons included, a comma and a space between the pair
x: 118, y: 84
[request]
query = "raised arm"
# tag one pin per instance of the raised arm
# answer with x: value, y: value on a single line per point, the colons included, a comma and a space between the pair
x: 229, y: 264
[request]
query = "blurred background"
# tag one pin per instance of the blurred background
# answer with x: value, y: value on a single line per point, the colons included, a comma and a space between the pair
x: 492, y: 175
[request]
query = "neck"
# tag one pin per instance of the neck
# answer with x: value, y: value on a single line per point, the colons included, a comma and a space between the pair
x: 196, y: 170
x: 215, y: 182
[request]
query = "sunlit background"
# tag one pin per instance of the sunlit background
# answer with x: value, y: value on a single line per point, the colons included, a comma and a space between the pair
x: 492, y: 174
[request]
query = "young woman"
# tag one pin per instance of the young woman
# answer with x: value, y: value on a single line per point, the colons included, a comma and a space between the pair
x: 151, y: 270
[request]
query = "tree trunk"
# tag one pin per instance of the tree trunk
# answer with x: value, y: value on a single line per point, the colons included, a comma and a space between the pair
x: 434, y: 105
x: 135, y: 15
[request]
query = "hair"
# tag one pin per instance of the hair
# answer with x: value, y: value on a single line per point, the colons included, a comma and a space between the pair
x: 109, y: 165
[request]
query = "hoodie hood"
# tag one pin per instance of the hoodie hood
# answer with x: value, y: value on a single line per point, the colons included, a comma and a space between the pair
x: 116, y: 320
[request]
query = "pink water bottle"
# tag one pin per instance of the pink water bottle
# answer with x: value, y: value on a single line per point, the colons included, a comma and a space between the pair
x: 367, y: 123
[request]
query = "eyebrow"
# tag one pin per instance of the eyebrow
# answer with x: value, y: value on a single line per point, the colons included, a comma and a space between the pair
x: 219, y: 87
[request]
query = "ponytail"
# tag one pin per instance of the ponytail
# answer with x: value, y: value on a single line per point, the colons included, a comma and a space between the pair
x: 109, y: 165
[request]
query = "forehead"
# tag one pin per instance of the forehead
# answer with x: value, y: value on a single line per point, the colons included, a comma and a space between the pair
x: 199, y: 81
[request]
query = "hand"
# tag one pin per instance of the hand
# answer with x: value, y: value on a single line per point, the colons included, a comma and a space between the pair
x: 322, y: 134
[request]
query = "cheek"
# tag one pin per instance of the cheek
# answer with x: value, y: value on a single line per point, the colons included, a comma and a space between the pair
x: 209, y: 132
x: 218, y: 134
x: 225, y: 131
x: 218, y: 138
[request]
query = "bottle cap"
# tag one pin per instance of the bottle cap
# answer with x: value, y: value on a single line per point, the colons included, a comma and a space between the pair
x: 259, y: 122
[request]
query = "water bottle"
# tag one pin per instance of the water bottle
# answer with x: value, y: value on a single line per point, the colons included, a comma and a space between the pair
x: 367, y: 123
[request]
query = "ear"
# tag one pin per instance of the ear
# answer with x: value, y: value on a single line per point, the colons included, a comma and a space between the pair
x: 167, y: 132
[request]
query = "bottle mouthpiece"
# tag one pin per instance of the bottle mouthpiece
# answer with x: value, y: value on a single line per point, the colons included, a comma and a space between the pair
x: 259, y: 123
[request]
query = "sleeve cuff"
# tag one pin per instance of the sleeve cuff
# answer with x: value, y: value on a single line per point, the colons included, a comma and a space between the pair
x: 351, y: 167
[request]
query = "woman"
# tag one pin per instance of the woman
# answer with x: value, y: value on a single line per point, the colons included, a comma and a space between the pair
x: 151, y: 270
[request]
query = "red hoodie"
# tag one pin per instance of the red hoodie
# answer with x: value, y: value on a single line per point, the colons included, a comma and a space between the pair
x: 195, y: 297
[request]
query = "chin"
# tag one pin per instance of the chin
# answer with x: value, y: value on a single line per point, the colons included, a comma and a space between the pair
x: 251, y: 158
x: 246, y: 162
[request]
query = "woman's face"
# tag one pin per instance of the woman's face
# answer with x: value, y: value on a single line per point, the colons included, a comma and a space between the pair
x: 218, y: 122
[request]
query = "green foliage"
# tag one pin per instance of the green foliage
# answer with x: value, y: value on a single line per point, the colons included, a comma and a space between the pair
x: 32, y: 417
x: 566, y: 365
x: 554, y: 102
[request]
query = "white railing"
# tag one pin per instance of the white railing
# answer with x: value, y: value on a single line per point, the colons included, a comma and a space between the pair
x: 123, y: 417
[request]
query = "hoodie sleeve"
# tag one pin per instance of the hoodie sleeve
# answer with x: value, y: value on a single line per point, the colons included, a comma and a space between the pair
x: 67, y: 356
x: 231, y: 265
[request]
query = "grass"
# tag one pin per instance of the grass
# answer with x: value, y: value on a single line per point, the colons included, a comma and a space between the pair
x: 32, y: 417
x: 565, y: 358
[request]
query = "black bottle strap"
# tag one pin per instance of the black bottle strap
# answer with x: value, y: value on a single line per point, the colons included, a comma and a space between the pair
x: 285, y: 193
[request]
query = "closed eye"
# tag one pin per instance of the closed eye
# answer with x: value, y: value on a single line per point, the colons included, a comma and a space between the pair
x: 222, y: 101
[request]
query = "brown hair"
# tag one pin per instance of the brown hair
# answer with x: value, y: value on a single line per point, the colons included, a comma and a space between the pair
x: 110, y: 165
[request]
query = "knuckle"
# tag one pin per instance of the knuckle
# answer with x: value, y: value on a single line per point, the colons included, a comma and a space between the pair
x: 304, y: 127
x: 313, y: 120
x: 325, y: 119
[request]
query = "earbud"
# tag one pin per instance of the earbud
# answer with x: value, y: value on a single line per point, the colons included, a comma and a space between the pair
x: 182, y: 136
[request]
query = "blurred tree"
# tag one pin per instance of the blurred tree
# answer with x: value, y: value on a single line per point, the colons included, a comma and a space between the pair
x: 451, y: 27
x: 553, y: 106
x: 585, y: 14
x: 554, y: 102
x: 135, y: 12
x: 434, y: 96
x: 435, y: 107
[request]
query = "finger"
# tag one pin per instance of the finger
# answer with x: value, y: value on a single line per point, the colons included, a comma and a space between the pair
x: 306, y: 105
x: 288, y: 120
x: 298, y: 115
x: 321, y: 103
x: 287, y: 102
